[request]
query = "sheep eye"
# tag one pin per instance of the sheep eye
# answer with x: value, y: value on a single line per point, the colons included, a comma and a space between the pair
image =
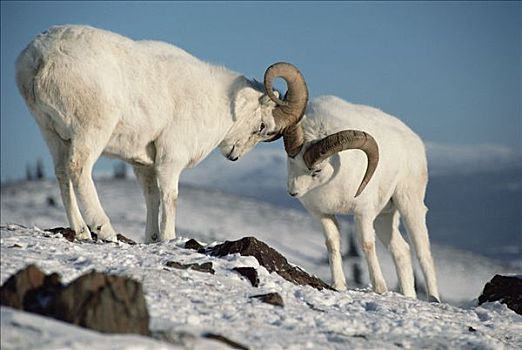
x: 316, y: 172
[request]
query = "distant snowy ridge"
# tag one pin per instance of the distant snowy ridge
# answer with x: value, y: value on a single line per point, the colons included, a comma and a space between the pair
x: 447, y: 159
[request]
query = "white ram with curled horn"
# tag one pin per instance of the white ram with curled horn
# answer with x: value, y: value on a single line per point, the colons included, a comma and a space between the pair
x: 94, y: 92
x: 379, y: 186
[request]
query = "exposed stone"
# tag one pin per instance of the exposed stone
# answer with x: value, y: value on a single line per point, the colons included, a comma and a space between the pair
x: 231, y: 343
x: 13, y: 291
x: 37, y: 300
x: 70, y: 235
x: 193, y: 244
x: 106, y: 303
x: 506, y: 289
x: 66, y: 232
x: 268, y: 257
x: 124, y: 239
x: 270, y: 298
x: 205, y: 267
x: 250, y: 273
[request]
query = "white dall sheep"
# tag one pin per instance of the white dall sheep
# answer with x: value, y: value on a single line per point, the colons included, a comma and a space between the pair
x: 328, y: 181
x: 93, y: 93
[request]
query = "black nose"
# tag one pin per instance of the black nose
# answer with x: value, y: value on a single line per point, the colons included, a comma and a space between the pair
x: 293, y: 194
x: 234, y: 159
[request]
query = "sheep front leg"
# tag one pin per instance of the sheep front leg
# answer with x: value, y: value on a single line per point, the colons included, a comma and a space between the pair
x: 168, y: 178
x: 333, y: 244
x: 367, y: 238
x: 147, y: 178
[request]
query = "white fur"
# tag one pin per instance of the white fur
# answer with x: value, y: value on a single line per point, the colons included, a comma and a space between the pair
x: 93, y: 93
x: 396, y: 189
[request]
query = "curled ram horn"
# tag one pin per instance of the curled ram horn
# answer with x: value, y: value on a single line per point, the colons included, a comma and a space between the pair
x: 290, y: 110
x: 343, y: 140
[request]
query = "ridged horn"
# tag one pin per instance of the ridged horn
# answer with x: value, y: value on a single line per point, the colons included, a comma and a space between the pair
x: 343, y: 140
x: 289, y: 111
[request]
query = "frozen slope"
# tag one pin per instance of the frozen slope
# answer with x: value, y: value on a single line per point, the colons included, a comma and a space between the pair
x: 184, y: 305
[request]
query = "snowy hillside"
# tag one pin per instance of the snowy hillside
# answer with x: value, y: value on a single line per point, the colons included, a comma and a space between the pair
x: 185, y: 305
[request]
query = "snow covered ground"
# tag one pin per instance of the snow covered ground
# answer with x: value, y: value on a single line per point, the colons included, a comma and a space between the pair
x: 184, y: 304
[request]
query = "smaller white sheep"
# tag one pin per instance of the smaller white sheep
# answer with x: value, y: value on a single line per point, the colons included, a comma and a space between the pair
x: 326, y: 181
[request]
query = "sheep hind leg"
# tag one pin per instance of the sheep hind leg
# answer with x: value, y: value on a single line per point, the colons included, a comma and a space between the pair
x: 366, y: 234
x: 82, y: 157
x: 59, y: 151
x: 147, y: 178
x: 387, y: 229
x: 414, y: 216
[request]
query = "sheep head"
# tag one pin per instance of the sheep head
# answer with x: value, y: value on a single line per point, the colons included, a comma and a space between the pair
x: 265, y: 117
x: 311, y: 168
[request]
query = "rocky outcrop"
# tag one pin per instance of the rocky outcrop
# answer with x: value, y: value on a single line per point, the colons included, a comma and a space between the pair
x: 506, y: 289
x: 106, y: 303
x: 269, y: 258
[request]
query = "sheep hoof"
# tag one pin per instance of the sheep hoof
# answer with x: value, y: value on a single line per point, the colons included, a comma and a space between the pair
x: 106, y: 233
x: 380, y: 289
x: 340, y: 287
x: 433, y: 299
x: 83, y: 234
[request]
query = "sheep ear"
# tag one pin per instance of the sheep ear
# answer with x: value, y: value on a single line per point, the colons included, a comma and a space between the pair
x: 246, y: 102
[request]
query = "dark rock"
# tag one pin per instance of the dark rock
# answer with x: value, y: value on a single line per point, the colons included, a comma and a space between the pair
x: 205, y: 267
x: 270, y: 298
x: 250, y: 273
x: 471, y: 329
x: 70, y: 235
x: 506, y: 289
x: 225, y: 340
x: 364, y: 336
x: 66, y: 232
x: 106, y: 303
x: 193, y: 244
x: 37, y: 300
x: 268, y: 257
x: 124, y: 239
x: 13, y: 291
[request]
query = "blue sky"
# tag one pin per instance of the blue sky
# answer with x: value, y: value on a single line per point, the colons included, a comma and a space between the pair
x: 450, y: 70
